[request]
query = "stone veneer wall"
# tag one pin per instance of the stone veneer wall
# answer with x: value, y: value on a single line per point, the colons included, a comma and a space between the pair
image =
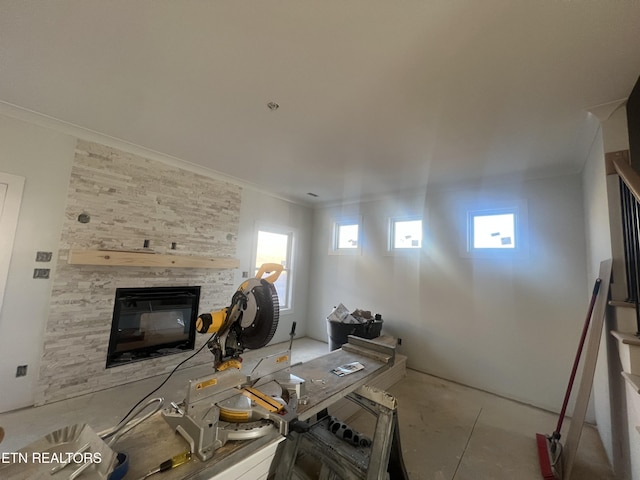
x: 130, y: 199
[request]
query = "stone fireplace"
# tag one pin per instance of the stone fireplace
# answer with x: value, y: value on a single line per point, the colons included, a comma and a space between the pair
x: 129, y: 199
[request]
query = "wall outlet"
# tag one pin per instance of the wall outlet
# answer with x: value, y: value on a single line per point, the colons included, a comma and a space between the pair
x: 41, y: 272
x: 21, y: 371
x: 43, y: 256
x: 399, y: 341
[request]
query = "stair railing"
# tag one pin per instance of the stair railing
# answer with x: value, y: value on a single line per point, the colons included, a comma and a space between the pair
x: 630, y: 211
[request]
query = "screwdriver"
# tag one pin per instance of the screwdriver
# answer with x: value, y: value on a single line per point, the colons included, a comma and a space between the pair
x: 173, y: 462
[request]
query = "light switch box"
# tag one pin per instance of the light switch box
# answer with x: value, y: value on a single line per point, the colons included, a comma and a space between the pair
x: 41, y: 272
x: 43, y: 256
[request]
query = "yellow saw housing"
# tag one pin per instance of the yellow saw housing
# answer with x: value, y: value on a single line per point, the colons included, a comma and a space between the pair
x: 212, y: 324
x: 251, y: 319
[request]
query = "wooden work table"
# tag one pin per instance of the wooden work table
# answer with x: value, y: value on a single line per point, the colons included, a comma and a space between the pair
x: 153, y: 441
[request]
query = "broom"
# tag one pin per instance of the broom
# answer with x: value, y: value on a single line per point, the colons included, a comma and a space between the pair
x: 549, y: 446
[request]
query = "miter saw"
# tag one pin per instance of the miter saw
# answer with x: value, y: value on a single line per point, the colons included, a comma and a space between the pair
x: 249, y: 322
x: 231, y: 405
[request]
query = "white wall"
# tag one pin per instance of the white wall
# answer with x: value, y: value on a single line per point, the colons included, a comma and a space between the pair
x: 44, y: 158
x: 509, y: 326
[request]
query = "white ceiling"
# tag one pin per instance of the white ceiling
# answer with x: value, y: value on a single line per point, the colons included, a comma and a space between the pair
x: 374, y: 95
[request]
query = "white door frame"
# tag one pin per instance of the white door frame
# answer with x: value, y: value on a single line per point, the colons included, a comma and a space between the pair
x: 9, y: 212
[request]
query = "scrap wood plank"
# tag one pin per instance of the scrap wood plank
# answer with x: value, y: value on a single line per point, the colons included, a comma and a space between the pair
x: 588, y: 371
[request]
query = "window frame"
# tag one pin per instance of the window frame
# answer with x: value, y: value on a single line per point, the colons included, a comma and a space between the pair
x: 391, y: 230
x: 520, y: 231
x: 291, y: 233
x: 335, y: 232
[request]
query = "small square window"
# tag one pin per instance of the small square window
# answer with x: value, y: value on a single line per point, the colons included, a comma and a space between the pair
x: 498, y: 232
x: 405, y: 234
x: 494, y: 230
x: 347, y: 236
x: 346, y: 239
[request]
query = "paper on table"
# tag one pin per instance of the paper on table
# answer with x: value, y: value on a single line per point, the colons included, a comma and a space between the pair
x: 348, y: 369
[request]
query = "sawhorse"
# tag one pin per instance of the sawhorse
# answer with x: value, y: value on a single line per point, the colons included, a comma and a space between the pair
x: 341, y: 460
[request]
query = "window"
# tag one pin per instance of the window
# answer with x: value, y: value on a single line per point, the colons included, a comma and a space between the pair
x: 494, y: 230
x: 346, y: 236
x: 405, y: 233
x: 275, y: 246
x: 497, y: 232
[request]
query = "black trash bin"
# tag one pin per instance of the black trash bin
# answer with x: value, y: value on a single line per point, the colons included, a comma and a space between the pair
x: 339, y: 331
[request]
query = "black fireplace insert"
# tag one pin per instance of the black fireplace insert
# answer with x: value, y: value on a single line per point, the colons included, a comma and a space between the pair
x: 152, y: 322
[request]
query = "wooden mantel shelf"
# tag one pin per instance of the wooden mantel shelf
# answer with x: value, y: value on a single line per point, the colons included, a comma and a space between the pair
x: 121, y: 258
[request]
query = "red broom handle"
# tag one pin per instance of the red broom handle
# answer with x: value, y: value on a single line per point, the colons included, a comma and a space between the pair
x: 574, y: 370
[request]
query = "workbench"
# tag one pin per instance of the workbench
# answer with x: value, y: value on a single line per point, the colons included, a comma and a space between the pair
x: 154, y: 441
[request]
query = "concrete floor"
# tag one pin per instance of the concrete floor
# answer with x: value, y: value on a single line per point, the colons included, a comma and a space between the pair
x: 452, y: 432
x: 448, y: 431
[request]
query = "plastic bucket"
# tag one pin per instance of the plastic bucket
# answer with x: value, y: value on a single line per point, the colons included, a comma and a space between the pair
x: 338, y: 331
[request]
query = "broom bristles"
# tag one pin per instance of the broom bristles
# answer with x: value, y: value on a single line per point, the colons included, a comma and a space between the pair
x: 544, y: 457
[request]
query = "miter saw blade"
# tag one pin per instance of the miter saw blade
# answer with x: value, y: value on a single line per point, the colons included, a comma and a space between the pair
x: 264, y: 299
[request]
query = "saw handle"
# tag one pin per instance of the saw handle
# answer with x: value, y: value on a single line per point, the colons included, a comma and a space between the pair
x: 275, y: 269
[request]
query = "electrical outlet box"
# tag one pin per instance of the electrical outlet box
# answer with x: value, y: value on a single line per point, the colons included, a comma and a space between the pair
x: 41, y: 272
x: 21, y: 371
x: 43, y: 256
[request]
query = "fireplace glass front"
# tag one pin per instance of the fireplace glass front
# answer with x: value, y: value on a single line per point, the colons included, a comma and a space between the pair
x: 152, y: 322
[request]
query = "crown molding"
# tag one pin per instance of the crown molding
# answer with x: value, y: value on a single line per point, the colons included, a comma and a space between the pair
x: 67, y: 128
